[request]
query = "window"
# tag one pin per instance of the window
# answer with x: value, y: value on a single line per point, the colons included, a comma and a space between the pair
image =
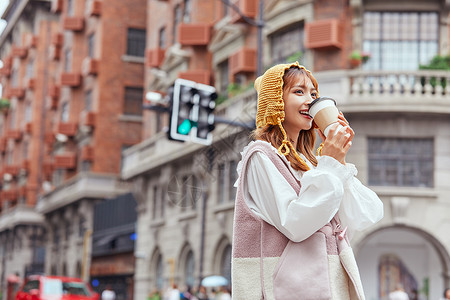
x: 221, y: 182
x: 70, y: 8
x: 227, y: 175
x: 176, y: 22
x: 25, y: 150
x: 400, y: 40
x: 136, y: 42
x: 30, y: 68
x: 65, y: 112
x: 67, y: 60
x: 223, y: 78
x: 14, y: 78
x: 189, y: 269
x: 156, y: 202
x: 162, y: 37
x: 31, y: 285
x: 225, y: 9
x: 401, y: 162
x: 133, y: 101
x: 81, y: 227
x: 56, y: 235
x: 187, y: 11
x: 91, y: 45
x: 225, y: 267
x: 159, y: 272
x: 88, y: 101
x: 287, y: 43
x: 28, y: 112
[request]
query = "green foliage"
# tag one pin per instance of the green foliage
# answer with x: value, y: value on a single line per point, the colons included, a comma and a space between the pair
x: 4, y: 103
x: 294, y: 57
x: 355, y: 55
x: 437, y: 63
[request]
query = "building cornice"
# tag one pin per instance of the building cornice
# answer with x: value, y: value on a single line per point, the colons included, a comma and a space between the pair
x: 83, y: 185
x: 20, y: 215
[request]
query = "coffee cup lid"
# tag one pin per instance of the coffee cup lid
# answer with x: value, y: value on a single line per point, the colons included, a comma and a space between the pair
x: 321, y: 99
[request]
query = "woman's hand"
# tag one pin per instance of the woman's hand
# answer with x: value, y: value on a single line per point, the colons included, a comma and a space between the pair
x: 338, y: 143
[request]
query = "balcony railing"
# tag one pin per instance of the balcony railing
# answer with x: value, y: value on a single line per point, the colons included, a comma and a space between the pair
x: 387, y: 90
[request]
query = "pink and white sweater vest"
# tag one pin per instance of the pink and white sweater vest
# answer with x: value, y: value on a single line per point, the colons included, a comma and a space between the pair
x: 267, y: 265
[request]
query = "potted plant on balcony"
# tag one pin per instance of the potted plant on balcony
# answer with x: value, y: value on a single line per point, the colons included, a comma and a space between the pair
x: 4, y: 105
x: 357, y: 57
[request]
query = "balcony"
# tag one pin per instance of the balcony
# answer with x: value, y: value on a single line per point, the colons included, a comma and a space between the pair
x: 5, y: 71
x: 243, y: 61
x: 194, y: 34
x: 3, y: 143
x: 248, y: 8
x: 25, y: 165
x: 17, y: 92
x: 54, y: 91
x: 28, y: 127
x: 49, y: 138
x: 54, y: 52
x: 31, y: 41
x: 87, y: 118
x: 73, y: 23
x: 155, y: 57
x: 30, y: 83
x: 89, y: 66
x: 387, y: 91
x: 57, y: 39
x: 200, y: 76
x: 11, y: 169
x: 57, y: 6
x: 47, y: 166
x: 69, y: 128
x: 94, y: 8
x: 65, y: 161
x: 14, y: 134
x: 87, y: 153
x: 20, y: 52
x: 71, y: 79
x: 10, y: 195
x: 324, y: 34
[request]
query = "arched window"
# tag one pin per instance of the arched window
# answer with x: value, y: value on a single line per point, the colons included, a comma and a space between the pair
x: 159, y: 272
x: 189, y: 269
x: 225, y: 267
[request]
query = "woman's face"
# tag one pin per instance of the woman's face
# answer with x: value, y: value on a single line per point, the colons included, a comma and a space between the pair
x: 297, y: 97
x: 447, y: 294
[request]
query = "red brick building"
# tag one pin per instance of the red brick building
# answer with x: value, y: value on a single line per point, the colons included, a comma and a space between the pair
x: 72, y: 87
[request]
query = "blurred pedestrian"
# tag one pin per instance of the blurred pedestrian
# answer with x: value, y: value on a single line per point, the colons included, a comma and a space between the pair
x: 446, y: 294
x: 288, y: 199
x: 108, y: 293
x: 154, y: 295
x: 398, y: 294
x: 201, y: 293
x: 172, y: 293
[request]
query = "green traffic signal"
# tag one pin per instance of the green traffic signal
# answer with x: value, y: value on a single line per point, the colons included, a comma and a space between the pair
x: 185, y: 127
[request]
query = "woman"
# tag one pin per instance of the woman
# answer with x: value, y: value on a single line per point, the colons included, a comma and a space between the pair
x: 294, y: 210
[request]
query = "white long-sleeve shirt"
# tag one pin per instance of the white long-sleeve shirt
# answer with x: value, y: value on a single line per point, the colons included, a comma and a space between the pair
x: 329, y: 188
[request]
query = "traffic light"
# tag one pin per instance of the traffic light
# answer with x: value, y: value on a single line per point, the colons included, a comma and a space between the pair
x: 192, y: 117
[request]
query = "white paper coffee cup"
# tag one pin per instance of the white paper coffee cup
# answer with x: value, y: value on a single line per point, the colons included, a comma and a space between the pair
x: 325, y: 114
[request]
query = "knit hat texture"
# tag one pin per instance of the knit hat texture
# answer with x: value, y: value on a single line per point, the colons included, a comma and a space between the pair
x: 270, y: 108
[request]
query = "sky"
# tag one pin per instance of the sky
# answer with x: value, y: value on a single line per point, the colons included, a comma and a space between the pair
x: 3, y: 5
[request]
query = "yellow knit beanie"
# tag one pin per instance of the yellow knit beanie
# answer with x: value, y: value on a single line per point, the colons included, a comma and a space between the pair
x: 270, y: 109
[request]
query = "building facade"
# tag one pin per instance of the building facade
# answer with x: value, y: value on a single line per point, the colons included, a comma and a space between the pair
x: 399, y: 112
x: 72, y: 81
